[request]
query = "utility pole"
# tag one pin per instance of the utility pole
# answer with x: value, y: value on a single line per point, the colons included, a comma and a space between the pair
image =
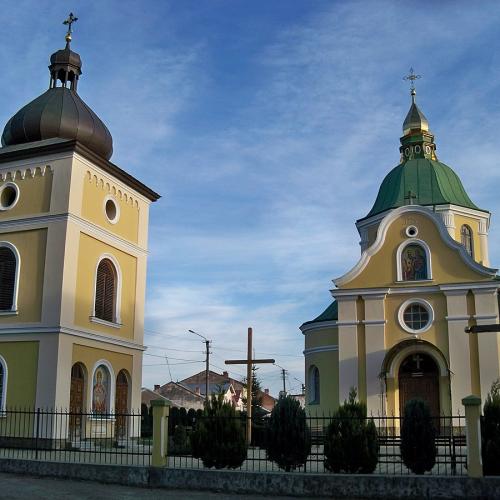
x: 249, y: 362
x: 207, y: 361
x: 283, y: 374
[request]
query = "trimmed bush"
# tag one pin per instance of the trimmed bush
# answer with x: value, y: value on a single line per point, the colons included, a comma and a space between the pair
x: 351, y: 442
x: 289, y: 437
x: 179, y: 443
x: 490, y: 432
x: 219, y: 436
x: 418, y: 445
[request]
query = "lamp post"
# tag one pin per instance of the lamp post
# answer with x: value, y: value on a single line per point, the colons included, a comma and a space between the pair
x: 207, y: 360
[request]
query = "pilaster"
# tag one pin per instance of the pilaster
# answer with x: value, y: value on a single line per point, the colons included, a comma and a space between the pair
x: 483, y: 241
x: 348, y: 346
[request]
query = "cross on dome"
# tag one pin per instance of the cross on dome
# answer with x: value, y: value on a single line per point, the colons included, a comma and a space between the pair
x: 69, y: 21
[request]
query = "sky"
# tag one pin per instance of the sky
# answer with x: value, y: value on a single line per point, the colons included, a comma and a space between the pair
x: 267, y: 127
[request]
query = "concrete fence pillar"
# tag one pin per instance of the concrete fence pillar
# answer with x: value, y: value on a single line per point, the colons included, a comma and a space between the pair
x: 472, y: 421
x: 161, y: 409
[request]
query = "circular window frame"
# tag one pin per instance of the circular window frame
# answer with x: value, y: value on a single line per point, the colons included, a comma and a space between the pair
x: 16, y: 199
x: 411, y: 228
x: 117, y: 208
x: 417, y: 149
x: 428, y: 150
x: 410, y: 302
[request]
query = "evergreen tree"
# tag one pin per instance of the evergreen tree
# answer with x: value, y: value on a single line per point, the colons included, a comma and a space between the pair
x: 418, y: 446
x: 288, y: 438
x: 490, y: 431
x: 219, y: 435
x: 351, y: 443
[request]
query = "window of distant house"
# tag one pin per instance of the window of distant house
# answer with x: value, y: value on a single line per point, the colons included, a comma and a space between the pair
x: 314, y: 385
x: 466, y: 239
x: 8, y: 270
x: 106, y: 291
x: 414, y: 264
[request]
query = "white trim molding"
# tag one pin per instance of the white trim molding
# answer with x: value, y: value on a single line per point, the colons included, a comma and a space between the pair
x: 429, y: 349
x: 3, y: 400
x: 118, y: 297
x: 382, y: 233
x: 320, y: 325
x: 323, y: 348
x: 399, y: 253
x: 17, y: 256
x: 426, y: 305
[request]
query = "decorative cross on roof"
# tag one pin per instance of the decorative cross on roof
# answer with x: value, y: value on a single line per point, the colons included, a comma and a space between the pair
x: 410, y: 197
x: 71, y: 19
x: 411, y: 77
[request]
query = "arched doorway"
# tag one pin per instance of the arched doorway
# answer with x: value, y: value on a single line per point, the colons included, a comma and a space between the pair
x: 76, y: 399
x: 121, y: 403
x: 419, y: 379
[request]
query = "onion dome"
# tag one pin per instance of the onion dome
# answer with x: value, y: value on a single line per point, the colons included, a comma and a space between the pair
x: 60, y: 112
x: 419, y: 179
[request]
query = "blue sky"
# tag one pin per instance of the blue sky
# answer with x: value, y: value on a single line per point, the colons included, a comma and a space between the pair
x: 267, y: 127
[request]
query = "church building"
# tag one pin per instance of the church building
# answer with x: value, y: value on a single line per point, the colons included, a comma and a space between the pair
x: 396, y: 328
x: 73, y: 248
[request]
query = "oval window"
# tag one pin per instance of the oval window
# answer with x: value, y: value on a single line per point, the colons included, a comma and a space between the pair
x: 112, y: 211
x: 9, y: 195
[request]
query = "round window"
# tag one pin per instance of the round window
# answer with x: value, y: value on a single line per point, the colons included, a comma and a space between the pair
x: 411, y: 231
x: 417, y: 149
x: 416, y: 316
x: 9, y: 194
x: 111, y: 209
x: 428, y: 149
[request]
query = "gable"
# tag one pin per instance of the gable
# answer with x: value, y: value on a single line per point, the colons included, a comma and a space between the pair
x: 448, y: 262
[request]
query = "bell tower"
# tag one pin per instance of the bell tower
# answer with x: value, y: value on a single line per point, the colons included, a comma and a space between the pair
x: 73, y: 247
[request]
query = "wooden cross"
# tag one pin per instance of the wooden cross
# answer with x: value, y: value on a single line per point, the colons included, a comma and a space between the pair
x: 410, y: 196
x: 250, y: 361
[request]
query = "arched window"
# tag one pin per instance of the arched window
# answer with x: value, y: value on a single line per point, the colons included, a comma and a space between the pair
x: 106, y: 291
x: 314, y: 385
x: 8, y: 265
x: 101, y: 390
x: 3, y: 384
x: 414, y: 263
x: 466, y: 239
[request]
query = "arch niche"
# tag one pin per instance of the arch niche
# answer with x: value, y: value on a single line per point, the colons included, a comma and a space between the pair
x: 122, y: 402
x: 77, y: 398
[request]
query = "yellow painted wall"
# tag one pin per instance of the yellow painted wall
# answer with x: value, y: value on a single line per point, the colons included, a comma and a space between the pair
x: 328, y: 366
x: 447, y: 265
x: 31, y: 246
x: 22, y: 364
x: 474, y: 225
x: 94, y: 195
x: 437, y: 333
x: 34, y: 194
x: 90, y: 250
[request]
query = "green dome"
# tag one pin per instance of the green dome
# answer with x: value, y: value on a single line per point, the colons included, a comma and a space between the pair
x: 420, y: 181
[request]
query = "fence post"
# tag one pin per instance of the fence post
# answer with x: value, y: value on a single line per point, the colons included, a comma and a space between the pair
x: 472, y: 421
x: 161, y: 409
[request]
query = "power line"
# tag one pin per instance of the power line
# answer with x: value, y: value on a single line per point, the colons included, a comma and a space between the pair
x: 163, y: 356
x: 175, y: 364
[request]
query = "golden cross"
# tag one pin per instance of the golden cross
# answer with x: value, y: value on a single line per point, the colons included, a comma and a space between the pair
x: 71, y: 19
x: 411, y: 77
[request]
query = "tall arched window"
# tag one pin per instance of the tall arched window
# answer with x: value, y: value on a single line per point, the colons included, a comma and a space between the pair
x: 466, y: 239
x: 3, y: 384
x: 8, y: 264
x: 105, y: 291
x: 314, y: 385
x: 414, y: 263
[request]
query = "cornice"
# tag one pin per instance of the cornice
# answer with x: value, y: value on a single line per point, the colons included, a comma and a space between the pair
x: 320, y: 325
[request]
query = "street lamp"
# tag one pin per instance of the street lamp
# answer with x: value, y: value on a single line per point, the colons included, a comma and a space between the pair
x: 207, y: 346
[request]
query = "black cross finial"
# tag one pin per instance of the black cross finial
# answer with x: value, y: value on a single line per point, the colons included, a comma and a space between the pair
x: 71, y: 19
x: 410, y: 197
x: 411, y: 77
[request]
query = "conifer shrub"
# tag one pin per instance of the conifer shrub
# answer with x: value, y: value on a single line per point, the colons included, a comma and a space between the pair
x: 418, y: 445
x: 288, y: 438
x: 490, y: 431
x: 218, y: 438
x: 351, y: 441
x: 179, y: 443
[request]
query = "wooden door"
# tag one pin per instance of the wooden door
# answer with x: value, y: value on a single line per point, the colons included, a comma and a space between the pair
x: 76, y: 397
x: 121, y: 404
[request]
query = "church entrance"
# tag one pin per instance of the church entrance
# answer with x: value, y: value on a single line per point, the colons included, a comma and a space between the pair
x: 121, y: 404
x: 419, y: 379
x: 76, y: 399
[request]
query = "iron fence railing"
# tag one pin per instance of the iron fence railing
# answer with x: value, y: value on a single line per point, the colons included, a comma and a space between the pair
x: 450, y: 442
x: 75, y: 436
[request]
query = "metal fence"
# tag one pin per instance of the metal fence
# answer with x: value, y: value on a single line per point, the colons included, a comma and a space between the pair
x: 75, y: 436
x: 450, y: 442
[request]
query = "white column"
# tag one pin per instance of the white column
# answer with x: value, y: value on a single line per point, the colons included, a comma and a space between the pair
x: 375, y: 349
x: 483, y: 241
x: 458, y: 341
x: 449, y: 221
x: 348, y: 346
x: 486, y: 314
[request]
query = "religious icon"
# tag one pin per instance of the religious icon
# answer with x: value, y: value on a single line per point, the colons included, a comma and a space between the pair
x: 100, y: 391
x: 414, y: 263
